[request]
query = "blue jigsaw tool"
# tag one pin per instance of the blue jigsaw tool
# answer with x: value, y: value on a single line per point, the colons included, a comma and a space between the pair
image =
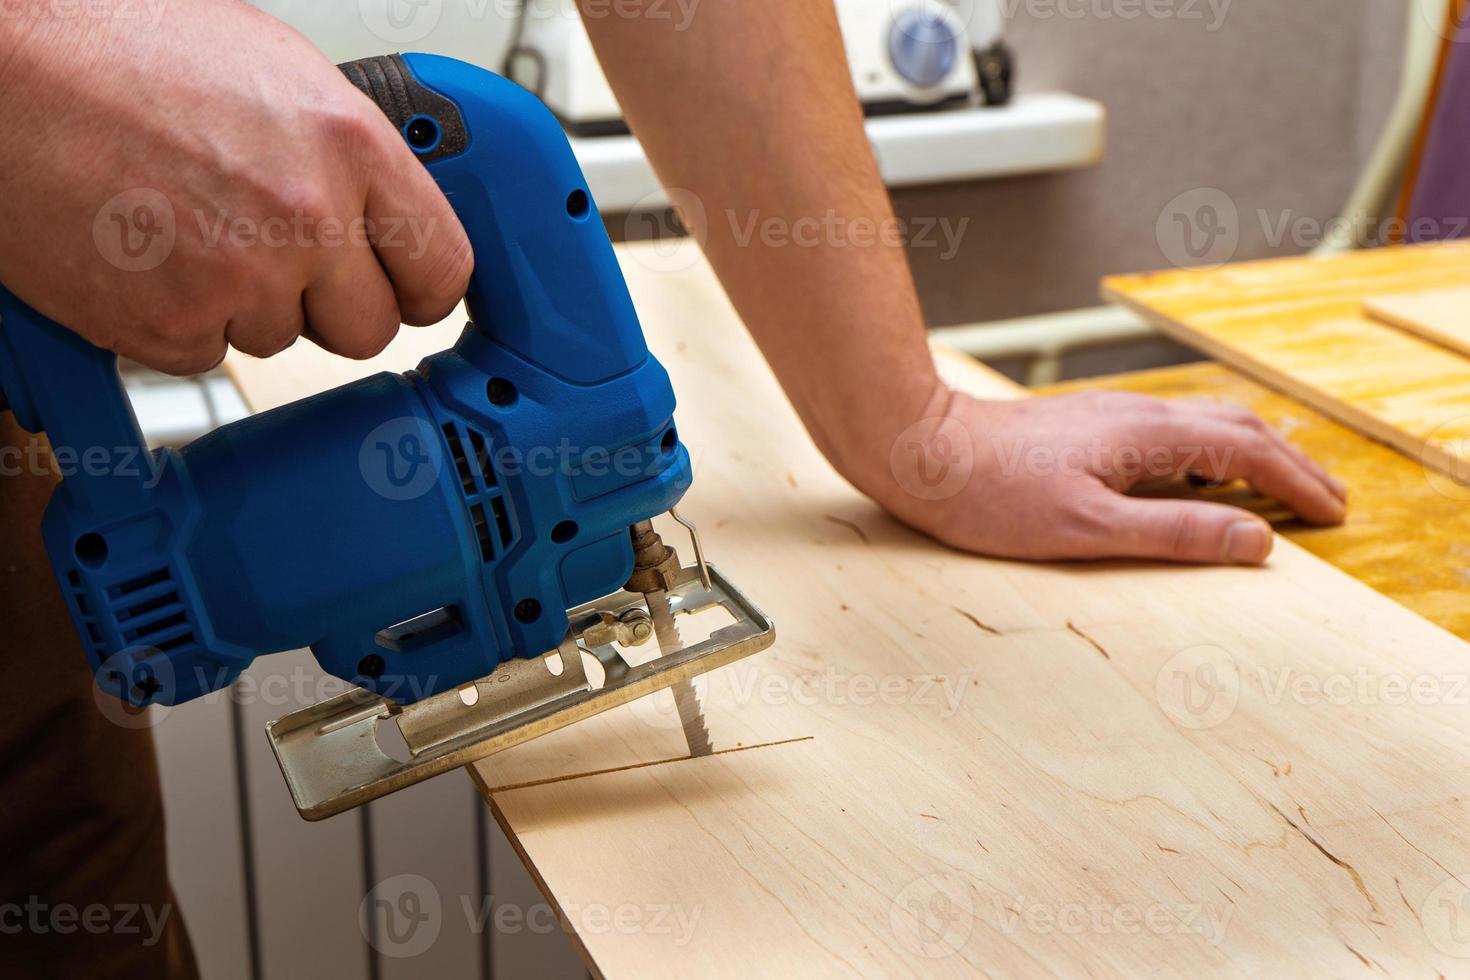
x: 470, y: 544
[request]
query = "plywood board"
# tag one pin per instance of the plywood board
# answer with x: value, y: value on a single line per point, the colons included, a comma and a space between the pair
x: 951, y: 766
x: 1299, y: 326
x: 1440, y: 315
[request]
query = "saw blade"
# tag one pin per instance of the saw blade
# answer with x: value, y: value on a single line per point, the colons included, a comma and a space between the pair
x: 686, y: 698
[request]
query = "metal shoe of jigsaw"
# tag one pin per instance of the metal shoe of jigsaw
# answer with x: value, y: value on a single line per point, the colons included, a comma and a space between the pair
x: 406, y: 528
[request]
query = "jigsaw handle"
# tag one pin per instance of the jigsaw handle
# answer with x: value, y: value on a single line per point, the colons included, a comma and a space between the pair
x: 546, y: 286
x: 57, y: 382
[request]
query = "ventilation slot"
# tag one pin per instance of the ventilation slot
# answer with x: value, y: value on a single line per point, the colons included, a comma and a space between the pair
x: 147, y: 612
x: 84, y: 607
x: 482, y: 531
x: 461, y: 462
x: 142, y: 582
x: 482, y: 457
x: 173, y: 643
x: 177, y: 619
x: 502, y: 520
x: 484, y: 497
x: 144, y: 608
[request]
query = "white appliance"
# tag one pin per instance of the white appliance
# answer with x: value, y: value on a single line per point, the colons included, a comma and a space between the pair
x: 906, y: 55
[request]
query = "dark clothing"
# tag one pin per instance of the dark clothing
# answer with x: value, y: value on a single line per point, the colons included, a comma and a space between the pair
x: 84, y: 889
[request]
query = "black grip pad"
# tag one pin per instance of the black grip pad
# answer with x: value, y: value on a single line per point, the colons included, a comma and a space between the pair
x: 388, y: 82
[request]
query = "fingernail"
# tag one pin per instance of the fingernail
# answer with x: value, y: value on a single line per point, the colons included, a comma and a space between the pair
x: 1247, y: 543
x: 1338, y: 488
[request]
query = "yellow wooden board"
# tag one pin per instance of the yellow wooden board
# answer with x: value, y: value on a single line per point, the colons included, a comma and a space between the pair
x: 1440, y: 315
x: 953, y: 766
x: 1299, y: 326
x: 1407, y: 532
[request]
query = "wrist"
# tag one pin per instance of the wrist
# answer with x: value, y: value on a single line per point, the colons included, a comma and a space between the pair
x: 862, y: 446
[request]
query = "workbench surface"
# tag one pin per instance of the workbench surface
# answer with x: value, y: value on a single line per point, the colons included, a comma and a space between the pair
x: 950, y: 765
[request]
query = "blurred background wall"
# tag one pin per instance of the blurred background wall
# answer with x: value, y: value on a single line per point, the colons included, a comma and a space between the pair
x: 1278, y: 107
x: 1277, y: 104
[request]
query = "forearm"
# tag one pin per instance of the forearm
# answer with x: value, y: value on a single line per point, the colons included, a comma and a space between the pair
x: 750, y: 108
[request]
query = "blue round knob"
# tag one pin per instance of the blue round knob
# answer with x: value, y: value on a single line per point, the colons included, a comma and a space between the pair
x: 923, y: 47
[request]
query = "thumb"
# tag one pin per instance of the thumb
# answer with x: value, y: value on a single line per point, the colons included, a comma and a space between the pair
x: 1182, y: 530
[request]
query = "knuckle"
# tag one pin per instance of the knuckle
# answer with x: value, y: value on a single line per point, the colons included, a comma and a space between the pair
x: 284, y: 341
x: 350, y: 125
x: 1244, y: 416
x: 1257, y: 446
x: 1102, y: 400
x: 376, y: 346
x: 177, y: 329
x: 368, y: 341
x: 264, y: 341
x: 195, y: 361
x: 1087, y: 519
x: 308, y: 198
x: 1183, y: 531
x: 449, y: 275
